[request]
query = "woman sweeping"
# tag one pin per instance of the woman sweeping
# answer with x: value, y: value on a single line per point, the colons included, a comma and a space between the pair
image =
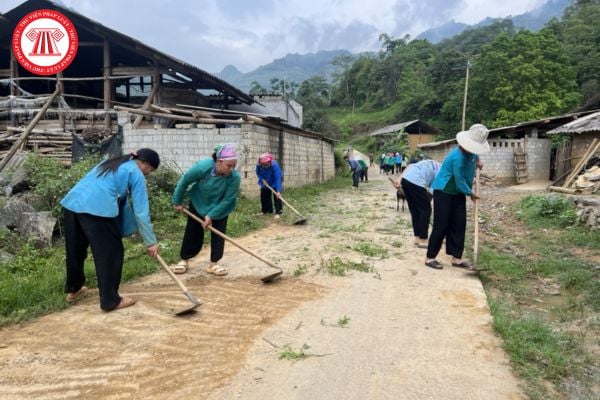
x: 110, y: 202
x: 268, y: 169
x: 213, y: 196
x: 450, y: 187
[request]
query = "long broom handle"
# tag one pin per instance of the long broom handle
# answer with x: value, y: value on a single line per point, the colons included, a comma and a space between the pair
x: 171, y: 273
x: 282, y: 199
x: 476, y: 220
x: 230, y: 240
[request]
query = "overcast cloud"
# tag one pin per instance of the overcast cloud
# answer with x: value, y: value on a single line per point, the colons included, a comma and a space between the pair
x: 249, y: 33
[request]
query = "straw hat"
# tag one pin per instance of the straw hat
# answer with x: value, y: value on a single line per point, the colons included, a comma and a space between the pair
x: 474, y: 140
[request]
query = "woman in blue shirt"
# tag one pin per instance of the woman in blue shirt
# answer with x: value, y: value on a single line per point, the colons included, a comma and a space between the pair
x: 416, y: 181
x: 213, y: 196
x: 110, y: 202
x: 450, y: 187
x: 268, y: 169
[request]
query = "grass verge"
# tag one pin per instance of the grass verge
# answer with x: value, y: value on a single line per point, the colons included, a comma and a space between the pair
x: 544, y: 300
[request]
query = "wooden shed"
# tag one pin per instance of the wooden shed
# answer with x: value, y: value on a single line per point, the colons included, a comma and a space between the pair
x: 417, y: 131
x: 121, y: 94
x: 109, y: 69
x: 582, y: 133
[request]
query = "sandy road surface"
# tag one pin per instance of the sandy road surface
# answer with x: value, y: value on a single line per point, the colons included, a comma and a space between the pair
x: 412, y: 332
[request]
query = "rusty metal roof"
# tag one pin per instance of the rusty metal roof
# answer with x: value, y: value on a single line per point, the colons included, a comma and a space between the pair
x: 201, y: 78
x: 398, y: 127
x: 589, y: 123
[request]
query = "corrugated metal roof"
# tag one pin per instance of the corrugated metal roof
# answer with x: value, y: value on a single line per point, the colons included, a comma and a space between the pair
x: 398, y: 127
x: 589, y: 123
x: 121, y: 39
x: 435, y: 144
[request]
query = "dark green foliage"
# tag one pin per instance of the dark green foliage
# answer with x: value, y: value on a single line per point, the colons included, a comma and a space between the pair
x: 521, y: 78
x: 547, y: 211
x: 50, y: 180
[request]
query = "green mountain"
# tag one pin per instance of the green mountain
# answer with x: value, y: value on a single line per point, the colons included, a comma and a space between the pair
x: 299, y: 67
x: 292, y: 68
x: 533, y: 20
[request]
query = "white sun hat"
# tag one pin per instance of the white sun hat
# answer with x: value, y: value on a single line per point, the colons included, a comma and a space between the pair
x: 474, y: 140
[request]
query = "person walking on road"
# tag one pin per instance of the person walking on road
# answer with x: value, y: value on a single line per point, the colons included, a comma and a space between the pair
x: 109, y: 202
x: 213, y: 196
x: 416, y: 181
x: 450, y: 187
x: 268, y: 169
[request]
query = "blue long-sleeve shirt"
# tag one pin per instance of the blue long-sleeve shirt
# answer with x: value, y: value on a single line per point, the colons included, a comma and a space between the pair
x: 100, y: 196
x: 212, y: 195
x: 460, y: 168
x: 272, y: 175
x: 354, y: 165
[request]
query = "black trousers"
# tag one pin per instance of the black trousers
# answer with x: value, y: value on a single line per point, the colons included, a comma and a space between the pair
x: 419, y: 205
x: 364, y: 174
x: 193, y: 238
x: 103, y: 236
x: 449, y: 222
x: 355, y: 177
x: 267, y: 198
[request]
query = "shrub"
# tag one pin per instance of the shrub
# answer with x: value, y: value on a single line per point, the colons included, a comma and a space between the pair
x: 548, y: 211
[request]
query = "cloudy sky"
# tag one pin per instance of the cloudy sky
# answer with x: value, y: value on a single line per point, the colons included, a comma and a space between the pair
x: 249, y: 33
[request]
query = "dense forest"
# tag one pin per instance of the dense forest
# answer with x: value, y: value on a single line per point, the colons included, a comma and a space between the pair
x: 514, y: 75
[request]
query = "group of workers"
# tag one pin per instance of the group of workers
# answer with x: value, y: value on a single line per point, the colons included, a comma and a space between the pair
x: 111, y: 201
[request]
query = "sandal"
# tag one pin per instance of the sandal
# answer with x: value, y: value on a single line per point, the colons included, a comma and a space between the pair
x: 78, y: 295
x: 463, y: 264
x: 216, y: 270
x: 180, y: 268
x: 435, y: 264
x: 125, y: 302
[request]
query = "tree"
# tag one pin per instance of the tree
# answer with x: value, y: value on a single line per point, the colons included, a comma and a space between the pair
x: 579, y: 30
x: 313, y: 94
x: 521, y: 78
x: 257, y: 89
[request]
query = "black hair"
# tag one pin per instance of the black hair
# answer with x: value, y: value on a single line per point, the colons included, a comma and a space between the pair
x: 113, y: 163
x: 214, y: 156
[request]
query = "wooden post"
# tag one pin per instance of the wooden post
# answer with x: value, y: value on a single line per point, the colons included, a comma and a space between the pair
x: 14, y: 73
x: 32, y: 124
x: 107, y: 83
x: 140, y: 117
x: 476, y: 220
x: 464, y: 110
x: 60, y: 85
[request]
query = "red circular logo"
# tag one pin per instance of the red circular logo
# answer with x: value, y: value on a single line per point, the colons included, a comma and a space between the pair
x: 45, y: 42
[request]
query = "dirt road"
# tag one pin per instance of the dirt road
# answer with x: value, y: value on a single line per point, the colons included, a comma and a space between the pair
x: 402, y: 331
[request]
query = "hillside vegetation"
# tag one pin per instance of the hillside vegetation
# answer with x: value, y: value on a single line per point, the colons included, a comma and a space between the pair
x: 514, y: 75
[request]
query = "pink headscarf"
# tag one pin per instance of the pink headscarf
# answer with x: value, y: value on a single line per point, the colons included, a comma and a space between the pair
x: 225, y: 152
x: 265, y: 158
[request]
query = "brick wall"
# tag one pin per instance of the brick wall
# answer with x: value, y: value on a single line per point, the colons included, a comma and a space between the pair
x: 303, y: 159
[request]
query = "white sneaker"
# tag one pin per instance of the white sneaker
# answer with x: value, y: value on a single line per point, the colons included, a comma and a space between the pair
x: 277, y: 216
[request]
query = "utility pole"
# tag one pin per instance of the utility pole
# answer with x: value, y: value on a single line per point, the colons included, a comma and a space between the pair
x: 464, y: 110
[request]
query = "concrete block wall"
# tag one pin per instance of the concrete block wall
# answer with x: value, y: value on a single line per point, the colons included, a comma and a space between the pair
x: 305, y: 159
x: 538, y: 158
x: 179, y: 148
x: 499, y: 162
